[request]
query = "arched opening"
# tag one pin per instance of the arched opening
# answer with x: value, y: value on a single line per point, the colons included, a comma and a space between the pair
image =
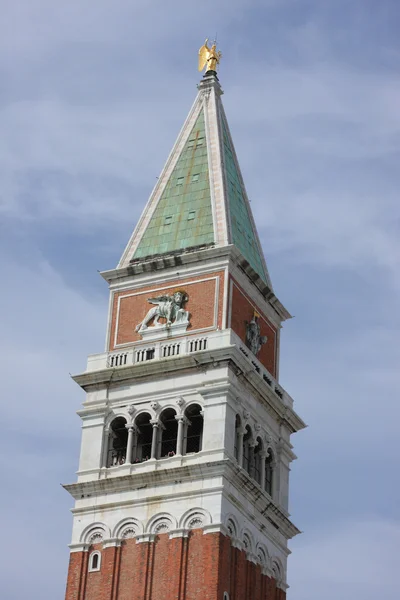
x: 247, y: 449
x: 269, y: 473
x: 169, y: 433
x: 94, y: 561
x: 257, y: 461
x: 276, y: 573
x: 194, y: 429
x: 118, y: 439
x: 238, y: 425
x: 144, y: 437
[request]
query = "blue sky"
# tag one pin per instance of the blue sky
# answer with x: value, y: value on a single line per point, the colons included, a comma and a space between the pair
x: 93, y: 95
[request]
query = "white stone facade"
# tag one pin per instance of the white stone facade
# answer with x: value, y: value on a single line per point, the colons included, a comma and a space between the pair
x: 208, y: 489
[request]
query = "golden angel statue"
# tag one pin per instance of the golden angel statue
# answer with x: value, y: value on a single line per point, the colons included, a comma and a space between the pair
x: 209, y: 57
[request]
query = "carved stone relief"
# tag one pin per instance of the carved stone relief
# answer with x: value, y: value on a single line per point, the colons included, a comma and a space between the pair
x: 254, y: 339
x: 168, y: 308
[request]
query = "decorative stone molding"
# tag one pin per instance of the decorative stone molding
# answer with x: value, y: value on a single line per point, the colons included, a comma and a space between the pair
x: 262, y: 556
x: 178, y: 533
x: 196, y: 522
x: 131, y: 410
x: 154, y: 405
x: 129, y: 533
x: 161, y: 523
x: 248, y: 546
x: 236, y: 543
x: 145, y: 537
x: 195, y: 518
x: 277, y: 571
x: 232, y: 527
x: 111, y: 543
x: 162, y: 526
x: 78, y: 547
x: 95, y: 533
x: 180, y: 401
x: 128, y: 528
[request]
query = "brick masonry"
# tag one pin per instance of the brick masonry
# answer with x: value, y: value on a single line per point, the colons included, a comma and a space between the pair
x: 197, y: 567
x: 242, y: 310
x: 131, y: 306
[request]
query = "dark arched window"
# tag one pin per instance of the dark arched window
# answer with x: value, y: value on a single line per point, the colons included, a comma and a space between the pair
x: 169, y: 432
x: 269, y: 473
x: 144, y: 437
x: 247, y: 459
x: 194, y: 431
x: 118, y: 440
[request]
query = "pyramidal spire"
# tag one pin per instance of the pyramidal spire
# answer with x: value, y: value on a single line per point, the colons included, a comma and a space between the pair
x: 200, y: 199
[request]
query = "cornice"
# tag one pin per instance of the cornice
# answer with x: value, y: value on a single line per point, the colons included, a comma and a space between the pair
x: 229, y: 356
x: 192, y: 256
x: 227, y: 469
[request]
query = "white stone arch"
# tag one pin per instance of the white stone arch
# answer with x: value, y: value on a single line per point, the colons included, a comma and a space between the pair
x: 127, y: 528
x: 191, y: 403
x: 195, y: 518
x: 255, y: 433
x: 260, y: 440
x: 95, y: 533
x: 263, y: 557
x: 277, y: 569
x: 144, y: 411
x: 161, y: 409
x: 269, y: 444
x: 161, y: 523
x: 249, y: 425
x: 232, y: 526
x: 115, y: 415
x: 247, y: 541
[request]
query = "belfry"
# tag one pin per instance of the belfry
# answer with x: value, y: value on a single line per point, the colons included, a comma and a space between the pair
x: 182, y: 487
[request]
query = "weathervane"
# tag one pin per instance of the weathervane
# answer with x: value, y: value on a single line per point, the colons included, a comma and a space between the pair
x: 209, y: 57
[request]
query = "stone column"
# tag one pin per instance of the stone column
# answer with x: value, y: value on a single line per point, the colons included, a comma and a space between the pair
x: 274, y: 487
x: 135, y: 443
x: 179, y: 441
x: 129, y: 445
x: 263, y: 456
x: 154, y: 441
x: 252, y: 458
x: 106, y: 442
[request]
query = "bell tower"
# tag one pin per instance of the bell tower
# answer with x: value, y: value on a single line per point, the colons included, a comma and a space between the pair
x: 182, y: 487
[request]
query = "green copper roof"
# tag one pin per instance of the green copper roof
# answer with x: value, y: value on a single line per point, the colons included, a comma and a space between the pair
x: 243, y: 234
x: 183, y: 217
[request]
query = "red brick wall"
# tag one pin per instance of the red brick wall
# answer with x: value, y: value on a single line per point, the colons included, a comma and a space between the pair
x: 199, y: 567
x: 133, y: 308
x: 242, y: 310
